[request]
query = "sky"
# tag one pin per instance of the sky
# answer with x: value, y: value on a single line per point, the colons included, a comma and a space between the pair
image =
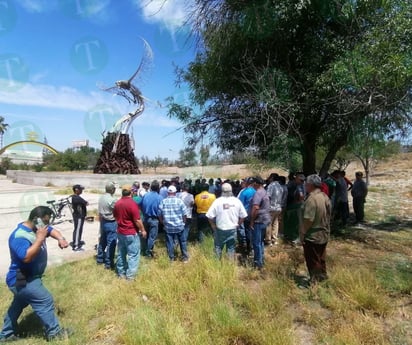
x: 57, y: 55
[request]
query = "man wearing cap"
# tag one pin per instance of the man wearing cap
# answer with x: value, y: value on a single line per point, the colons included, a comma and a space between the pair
x: 315, y: 228
x: 259, y: 220
x: 79, y: 215
x: 108, y: 227
x: 173, y: 216
x: 150, y: 207
x: 129, y: 226
x: 28, y: 252
x: 225, y: 215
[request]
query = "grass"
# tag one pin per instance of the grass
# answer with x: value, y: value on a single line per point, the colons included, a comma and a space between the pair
x: 218, y: 302
x: 366, y: 300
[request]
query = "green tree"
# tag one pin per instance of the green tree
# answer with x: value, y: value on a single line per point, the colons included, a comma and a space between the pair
x: 204, y: 154
x: 368, y: 144
x: 187, y: 157
x: 3, y: 128
x: 308, y: 71
x: 156, y: 162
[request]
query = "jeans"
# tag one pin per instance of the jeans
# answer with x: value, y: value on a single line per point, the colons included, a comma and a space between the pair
x: 203, y: 226
x: 222, y: 238
x: 152, y: 227
x: 40, y: 299
x: 170, y: 241
x: 128, y: 255
x: 186, y: 230
x: 107, y: 243
x: 258, y: 237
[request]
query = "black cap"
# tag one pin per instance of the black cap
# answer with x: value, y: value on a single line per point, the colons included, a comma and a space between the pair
x: 258, y: 180
x: 78, y: 186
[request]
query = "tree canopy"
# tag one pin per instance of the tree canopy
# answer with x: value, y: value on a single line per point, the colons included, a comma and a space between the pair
x: 274, y: 74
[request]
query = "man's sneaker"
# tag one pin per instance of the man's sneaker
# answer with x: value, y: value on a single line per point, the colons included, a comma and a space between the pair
x: 9, y: 338
x: 64, y: 333
x: 78, y: 250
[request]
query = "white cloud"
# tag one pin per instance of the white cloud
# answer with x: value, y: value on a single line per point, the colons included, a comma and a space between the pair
x: 48, y: 96
x: 170, y: 13
x: 68, y: 98
x: 37, y: 6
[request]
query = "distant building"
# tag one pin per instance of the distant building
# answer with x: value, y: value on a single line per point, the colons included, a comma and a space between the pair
x: 78, y: 144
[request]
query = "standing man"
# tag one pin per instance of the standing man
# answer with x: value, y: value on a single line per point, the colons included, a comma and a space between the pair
x: 246, y: 196
x: 129, y: 227
x: 359, y: 192
x: 203, y: 200
x: 189, y: 201
x: 225, y: 215
x: 79, y: 215
x: 150, y: 207
x: 28, y: 252
x: 173, y: 216
x: 276, y: 195
x: 315, y: 228
x: 259, y: 220
x: 108, y: 227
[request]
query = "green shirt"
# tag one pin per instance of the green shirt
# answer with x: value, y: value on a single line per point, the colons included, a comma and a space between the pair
x: 317, y: 209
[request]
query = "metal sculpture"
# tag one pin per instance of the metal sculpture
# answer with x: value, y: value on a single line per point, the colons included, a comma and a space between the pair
x: 117, y: 148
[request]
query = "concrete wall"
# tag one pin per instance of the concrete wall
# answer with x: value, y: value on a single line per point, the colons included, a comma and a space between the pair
x: 68, y: 179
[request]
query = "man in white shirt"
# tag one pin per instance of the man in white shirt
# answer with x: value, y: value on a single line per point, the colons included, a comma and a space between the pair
x: 225, y: 215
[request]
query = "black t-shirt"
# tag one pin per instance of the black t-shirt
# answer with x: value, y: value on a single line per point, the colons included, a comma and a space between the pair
x: 79, y: 206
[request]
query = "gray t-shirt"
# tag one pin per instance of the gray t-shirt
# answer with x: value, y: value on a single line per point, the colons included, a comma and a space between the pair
x: 261, y: 199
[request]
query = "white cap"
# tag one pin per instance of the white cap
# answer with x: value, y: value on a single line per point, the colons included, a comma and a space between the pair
x: 171, y: 189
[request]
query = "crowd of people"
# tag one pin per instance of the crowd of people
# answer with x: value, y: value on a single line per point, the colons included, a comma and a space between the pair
x: 246, y: 215
x: 242, y: 216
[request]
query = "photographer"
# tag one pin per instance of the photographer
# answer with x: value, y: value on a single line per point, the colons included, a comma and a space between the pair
x: 28, y: 252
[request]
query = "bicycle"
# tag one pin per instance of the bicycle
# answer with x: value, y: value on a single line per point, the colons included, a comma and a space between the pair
x: 58, y: 207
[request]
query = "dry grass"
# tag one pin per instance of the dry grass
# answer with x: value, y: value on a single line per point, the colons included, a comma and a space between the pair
x: 367, y: 299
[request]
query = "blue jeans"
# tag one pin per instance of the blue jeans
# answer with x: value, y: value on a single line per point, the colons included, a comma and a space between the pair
x: 128, y: 255
x: 258, y: 237
x: 170, y: 241
x: 186, y: 230
x: 107, y: 243
x: 222, y: 238
x: 152, y: 228
x: 40, y: 299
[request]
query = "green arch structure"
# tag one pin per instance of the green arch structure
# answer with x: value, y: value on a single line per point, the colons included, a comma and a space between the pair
x: 31, y: 142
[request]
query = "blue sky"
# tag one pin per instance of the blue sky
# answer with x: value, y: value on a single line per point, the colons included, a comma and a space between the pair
x: 54, y: 55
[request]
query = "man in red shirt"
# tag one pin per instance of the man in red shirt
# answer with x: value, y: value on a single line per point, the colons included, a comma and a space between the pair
x: 129, y: 227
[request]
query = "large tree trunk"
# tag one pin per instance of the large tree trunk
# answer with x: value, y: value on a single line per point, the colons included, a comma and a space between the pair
x: 309, y: 154
x: 331, y: 154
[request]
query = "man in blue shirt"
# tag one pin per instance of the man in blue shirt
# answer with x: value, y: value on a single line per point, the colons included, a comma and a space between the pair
x: 150, y: 207
x: 28, y: 252
x: 173, y: 216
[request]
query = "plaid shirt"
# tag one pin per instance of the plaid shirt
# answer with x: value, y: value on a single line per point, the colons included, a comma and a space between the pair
x: 172, y: 210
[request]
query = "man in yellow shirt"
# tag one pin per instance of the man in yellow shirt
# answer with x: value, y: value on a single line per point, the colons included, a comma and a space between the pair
x: 203, y: 200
